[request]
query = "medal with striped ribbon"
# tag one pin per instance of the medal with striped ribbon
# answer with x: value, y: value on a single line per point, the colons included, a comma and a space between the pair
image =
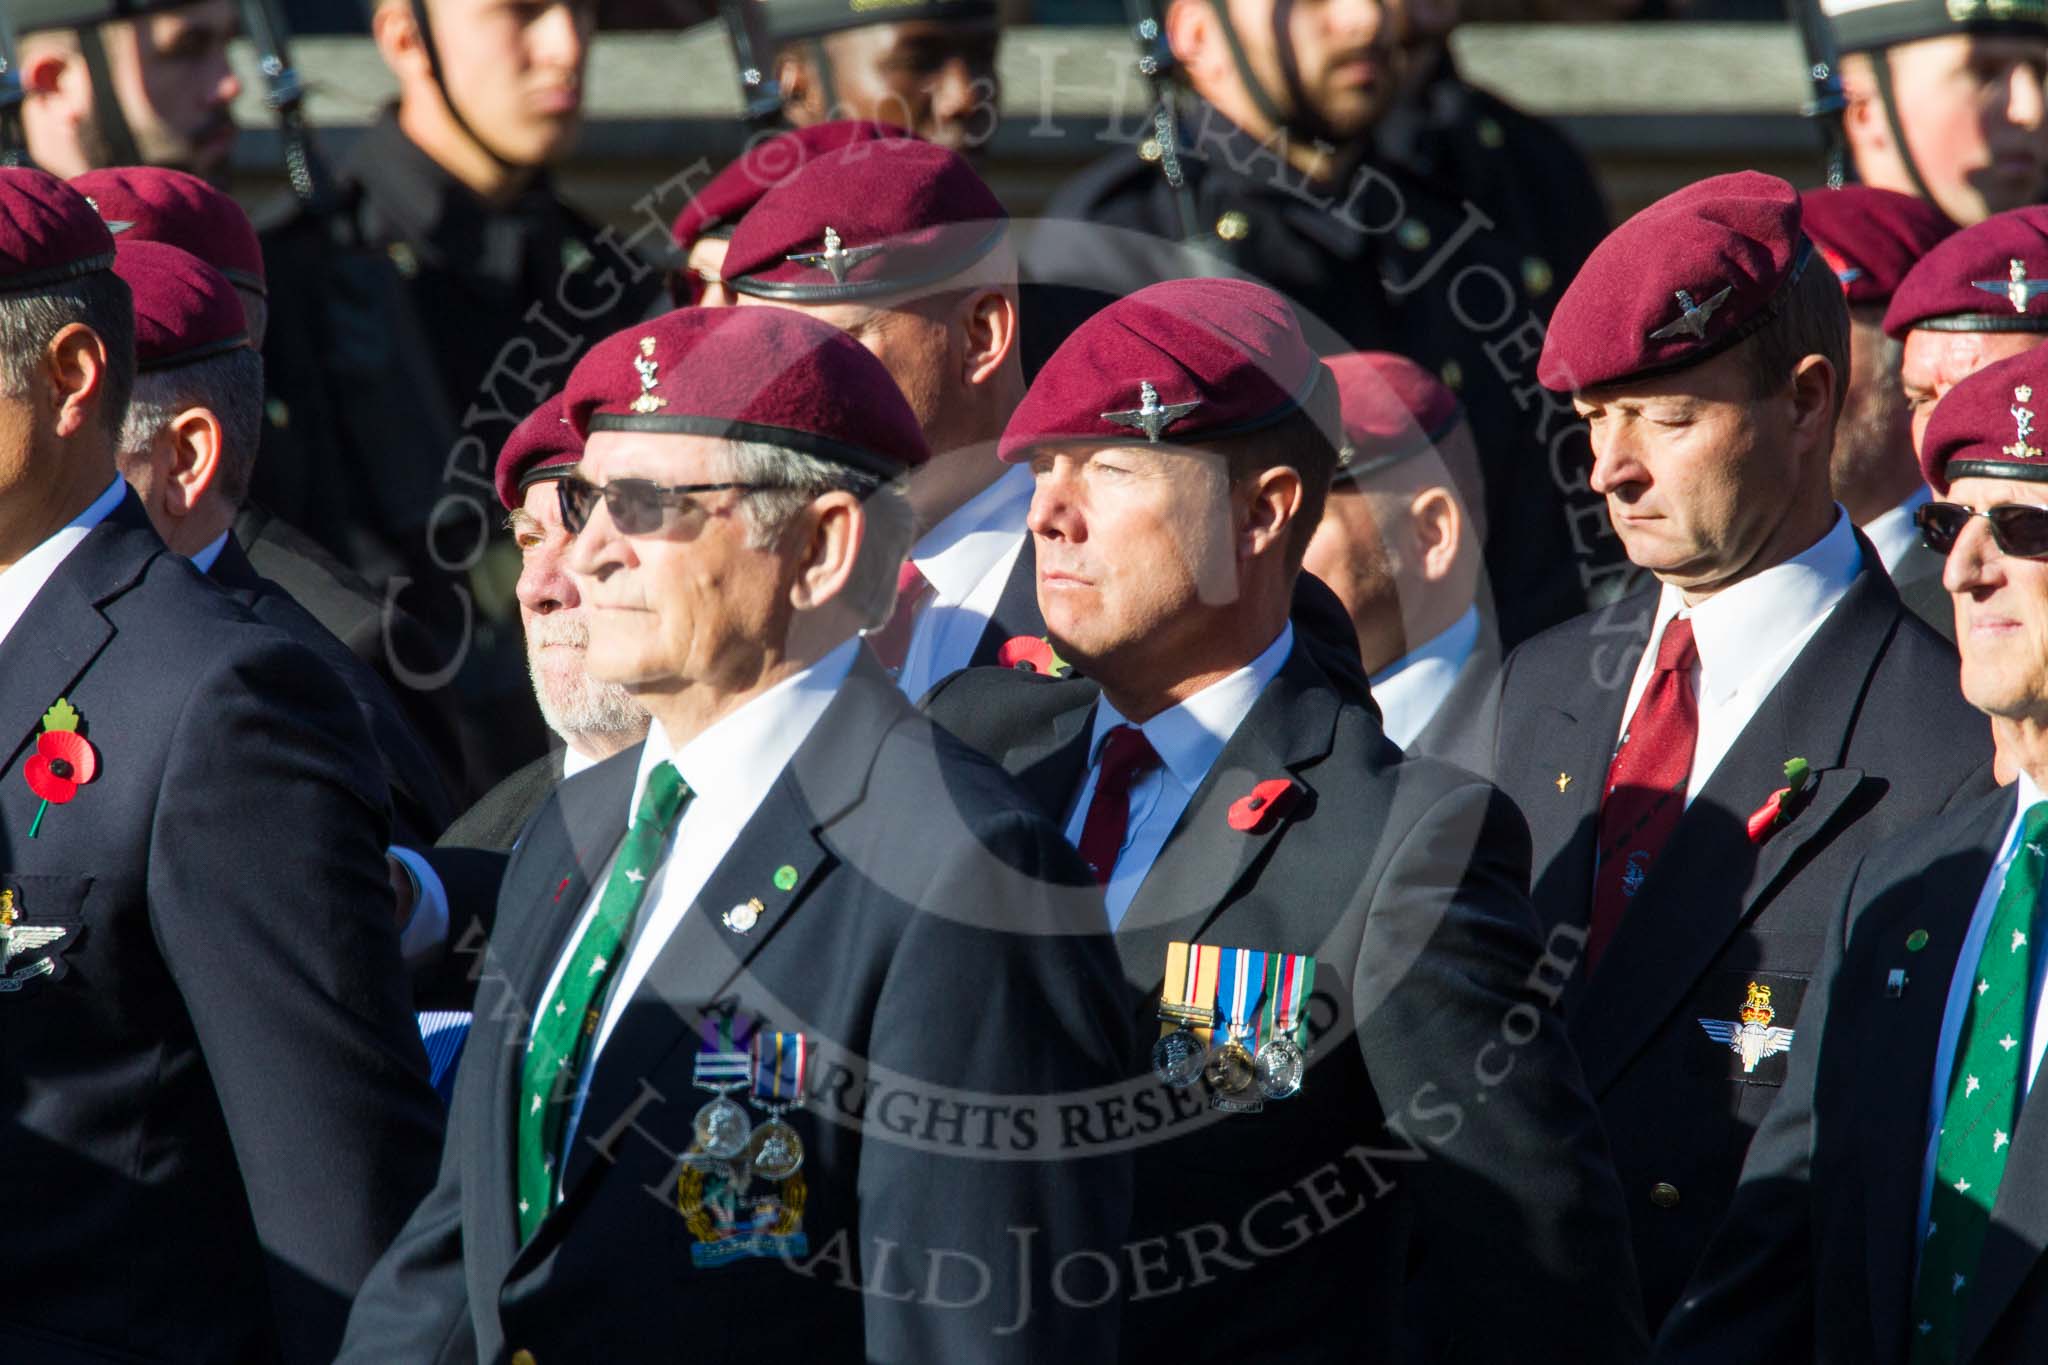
x: 1282, y: 1058
x: 1232, y: 1072
x: 722, y: 1126
x: 779, y: 1063
x: 1187, y: 1013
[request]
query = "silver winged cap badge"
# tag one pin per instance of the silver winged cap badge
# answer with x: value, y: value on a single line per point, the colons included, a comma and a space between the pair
x: 1692, y: 317
x: 837, y: 258
x: 1151, y: 416
x: 2019, y: 291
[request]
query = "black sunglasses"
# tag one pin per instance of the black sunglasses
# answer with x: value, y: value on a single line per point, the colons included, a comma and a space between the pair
x: 638, y: 507
x: 2016, y: 528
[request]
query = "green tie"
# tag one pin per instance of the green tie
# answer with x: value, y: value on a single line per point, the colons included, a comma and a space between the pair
x: 562, y: 1038
x: 1983, y: 1105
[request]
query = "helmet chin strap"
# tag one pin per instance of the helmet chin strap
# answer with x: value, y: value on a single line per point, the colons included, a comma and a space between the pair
x: 1304, y: 121
x: 1881, y: 69
x: 433, y: 51
x: 108, y: 119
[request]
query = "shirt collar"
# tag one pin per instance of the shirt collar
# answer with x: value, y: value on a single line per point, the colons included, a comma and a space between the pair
x: 1410, y: 689
x: 1733, y: 628
x: 1892, y: 532
x: 965, y: 547
x: 205, y: 559
x: 2028, y: 795
x: 575, y: 761
x: 734, y: 762
x: 1188, y: 737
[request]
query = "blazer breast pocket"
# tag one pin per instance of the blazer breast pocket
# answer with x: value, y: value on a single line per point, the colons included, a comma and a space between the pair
x: 42, y: 927
x: 1746, y: 1025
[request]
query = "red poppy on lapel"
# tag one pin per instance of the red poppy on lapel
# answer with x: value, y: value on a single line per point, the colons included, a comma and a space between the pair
x: 1256, y: 810
x: 1784, y: 803
x: 1033, y: 654
x: 63, y: 761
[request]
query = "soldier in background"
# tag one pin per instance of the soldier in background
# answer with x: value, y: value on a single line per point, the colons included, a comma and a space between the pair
x: 1945, y: 100
x: 928, y: 66
x: 450, y: 290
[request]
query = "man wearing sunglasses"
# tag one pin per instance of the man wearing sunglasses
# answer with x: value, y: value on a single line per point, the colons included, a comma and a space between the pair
x: 1891, y: 1207
x: 1652, y: 745
x: 797, y: 887
x: 1976, y: 298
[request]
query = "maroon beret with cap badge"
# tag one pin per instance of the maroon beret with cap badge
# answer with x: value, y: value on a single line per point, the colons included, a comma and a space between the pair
x: 867, y: 220
x: 1871, y: 238
x: 1183, y: 361
x: 156, y: 204
x: 185, y: 310
x: 748, y: 374
x: 48, y: 232
x: 1989, y: 277
x: 1988, y: 425
x: 544, y: 446
x: 1393, y: 409
x: 1677, y: 284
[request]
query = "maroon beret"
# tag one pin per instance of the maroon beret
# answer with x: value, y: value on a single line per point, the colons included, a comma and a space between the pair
x: 1986, y: 278
x: 162, y: 205
x: 1990, y: 425
x: 1192, y: 360
x: 749, y: 374
x: 1871, y: 238
x: 1677, y: 284
x: 48, y: 232
x: 1393, y: 409
x: 871, y: 219
x: 185, y: 310
x: 541, y: 447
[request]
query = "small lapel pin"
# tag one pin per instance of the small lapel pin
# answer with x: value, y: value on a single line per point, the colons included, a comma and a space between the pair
x: 785, y: 878
x: 1895, y: 983
x: 1564, y: 782
x: 1916, y: 940
x: 741, y: 918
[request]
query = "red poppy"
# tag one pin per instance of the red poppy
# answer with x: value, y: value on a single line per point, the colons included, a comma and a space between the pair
x: 1254, y: 812
x: 62, y: 763
x: 1764, y: 818
x: 1033, y: 654
x: 1777, y: 812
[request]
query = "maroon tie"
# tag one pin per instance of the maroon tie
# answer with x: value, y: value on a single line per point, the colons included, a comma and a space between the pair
x: 891, y: 642
x: 1126, y: 755
x: 1646, y: 783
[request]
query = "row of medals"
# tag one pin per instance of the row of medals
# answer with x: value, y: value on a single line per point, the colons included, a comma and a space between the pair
x: 1234, y: 1072
x: 772, y: 1149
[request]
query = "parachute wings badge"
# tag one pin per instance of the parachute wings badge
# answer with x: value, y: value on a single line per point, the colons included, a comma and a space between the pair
x: 1753, y: 1037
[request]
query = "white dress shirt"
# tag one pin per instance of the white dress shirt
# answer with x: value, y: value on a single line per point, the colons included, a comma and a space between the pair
x: 730, y: 767
x: 1747, y: 636
x: 967, y: 558
x: 1893, y: 535
x: 1412, y: 688
x: 575, y: 761
x: 209, y: 555
x: 1188, y: 738
x: 23, y: 579
x: 1959, y: 997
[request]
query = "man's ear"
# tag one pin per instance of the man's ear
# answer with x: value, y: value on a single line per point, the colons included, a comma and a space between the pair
x: 835, y: 526
x: 1275, y: 504
x: 1863, y: 119
x: 1436, y: 524
x: 75, y: 369
x: 803, y: 94
x: 196, y: 447
x: 989, y: 327
x: 1814, y: 409
x: 1192, y: 34
x: 398, y: 41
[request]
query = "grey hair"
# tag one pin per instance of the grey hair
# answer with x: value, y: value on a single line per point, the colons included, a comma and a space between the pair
x: 799, y: 479
x: 230, y: 385
x: 29, y: 320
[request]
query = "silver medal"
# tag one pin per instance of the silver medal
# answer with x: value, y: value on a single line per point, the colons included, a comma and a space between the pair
x: 1178, y: 1058
x: 723, y: 1128
x: 1280, y: 1063
x: 776, y: 1152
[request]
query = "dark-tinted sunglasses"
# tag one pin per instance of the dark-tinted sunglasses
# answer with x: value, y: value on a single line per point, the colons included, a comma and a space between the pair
x: 638, y: 507
x: 2016, y: 528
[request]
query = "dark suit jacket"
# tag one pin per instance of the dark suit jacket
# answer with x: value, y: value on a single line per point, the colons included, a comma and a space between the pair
x: 419, y: 804
x: 214, y: 1112
x: 1421, y: 1144
x: 1816, y: 1259
x: 955, y: 958
x: 1872, y: 704
x: 1462, y: 729
x: 1919, y: 584
x: 495, y: 821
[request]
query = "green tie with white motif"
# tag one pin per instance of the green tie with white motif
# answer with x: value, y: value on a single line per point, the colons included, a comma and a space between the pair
x: 559, y: 1049
x: 1983, y: 1104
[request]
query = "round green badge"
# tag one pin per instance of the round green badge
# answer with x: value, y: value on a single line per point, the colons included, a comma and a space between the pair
x: 1916, y: 940
x: 785, y: 878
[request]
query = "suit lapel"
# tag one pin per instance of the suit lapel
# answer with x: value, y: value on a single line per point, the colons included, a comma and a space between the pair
x: 1688, y: 909
x: 1291, y: 726
x: 1899, y: 1041
x: 1052, y: 768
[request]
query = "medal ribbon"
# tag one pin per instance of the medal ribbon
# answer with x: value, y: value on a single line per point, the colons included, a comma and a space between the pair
x: 719, y: 1063
x: 1240, y: 988
x: 1191, y: 973
x: 1289, y: 979
x: 779, y: 1060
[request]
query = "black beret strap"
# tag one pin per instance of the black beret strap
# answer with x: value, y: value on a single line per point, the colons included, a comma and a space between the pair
x: 1993, y: 469
x: 783, y: 292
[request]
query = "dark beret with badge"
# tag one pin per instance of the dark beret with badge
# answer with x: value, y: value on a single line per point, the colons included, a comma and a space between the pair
x: 1990, y: 277
x: 867, y: 221
x: 790, y: 19
x: 157, y: 204
x: 748, y: 374
x: 1988, y: 425
x: 1393, y: 410
x: 1682, y: 281
x: 1860, y: 26
x: 185, y: 310
x: 544, y: 446
x: 1182, y: 362
x: 49, y: 233
x: 1871, y: 238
